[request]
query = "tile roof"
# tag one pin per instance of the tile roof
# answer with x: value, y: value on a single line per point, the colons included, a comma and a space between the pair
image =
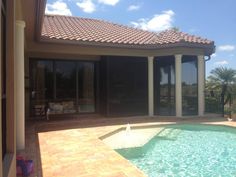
x: 99, y: 32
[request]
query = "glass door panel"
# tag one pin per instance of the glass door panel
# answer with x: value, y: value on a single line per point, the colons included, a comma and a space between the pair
x: 86, y: 91
x: 189, y: 85
x: 65, y: 80
x: 41, y: 84
x: 165, y: 86
x: 66, y: 86
x: 61, y: 87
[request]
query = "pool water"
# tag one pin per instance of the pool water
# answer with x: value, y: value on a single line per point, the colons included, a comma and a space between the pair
x: 187, y: 150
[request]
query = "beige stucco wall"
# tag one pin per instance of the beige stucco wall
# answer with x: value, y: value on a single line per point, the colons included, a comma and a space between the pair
x: 18, y: 10
x: 8, y: 165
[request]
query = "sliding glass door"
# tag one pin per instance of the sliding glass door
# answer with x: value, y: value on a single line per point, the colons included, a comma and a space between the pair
x: 65, y: 80
x: 127, y: 91
x: 189, y: 85
x: 62, y: 86
x: 41, y: 83
x: 164, y: 81
x: 86, y: 92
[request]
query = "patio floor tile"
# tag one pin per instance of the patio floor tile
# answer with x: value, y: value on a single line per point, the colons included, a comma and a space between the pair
x: 72, y: 147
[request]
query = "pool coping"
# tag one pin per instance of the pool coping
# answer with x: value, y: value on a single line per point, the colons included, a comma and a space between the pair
x: 113, y: 132
x: 159, y: 125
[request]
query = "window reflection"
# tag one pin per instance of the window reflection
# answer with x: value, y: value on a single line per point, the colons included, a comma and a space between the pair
x: 127, y: 84
x: 86, y: 87
x: 41, y: 80
x: 61, y: 86
x: 65, y: 80
x: 189, y: 85
x: 165, y: 85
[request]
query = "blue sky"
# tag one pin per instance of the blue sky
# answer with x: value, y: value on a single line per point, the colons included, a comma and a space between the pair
x: 215, y: 20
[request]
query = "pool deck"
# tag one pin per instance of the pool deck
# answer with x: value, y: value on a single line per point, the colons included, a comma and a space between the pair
x: 71, y: 147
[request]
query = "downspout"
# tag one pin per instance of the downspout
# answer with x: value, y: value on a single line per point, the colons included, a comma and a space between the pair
x: 209, y: 57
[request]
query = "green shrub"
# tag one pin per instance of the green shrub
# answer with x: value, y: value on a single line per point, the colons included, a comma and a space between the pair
x: 213, y: 105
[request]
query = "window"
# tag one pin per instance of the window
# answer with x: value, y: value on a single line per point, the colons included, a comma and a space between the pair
x: 3, y: 76
x: 164, y: 82
x: 189, y: 85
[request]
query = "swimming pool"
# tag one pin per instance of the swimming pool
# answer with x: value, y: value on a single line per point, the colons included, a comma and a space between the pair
x: 187, y: 150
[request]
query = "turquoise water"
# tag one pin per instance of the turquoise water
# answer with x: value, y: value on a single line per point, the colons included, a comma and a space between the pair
x: 187, y: 150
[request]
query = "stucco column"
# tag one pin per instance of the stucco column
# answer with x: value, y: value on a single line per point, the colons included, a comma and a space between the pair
x: 178, y: 85
x: 201, y: 84
x: 19, y: 85
x: 150, y: 87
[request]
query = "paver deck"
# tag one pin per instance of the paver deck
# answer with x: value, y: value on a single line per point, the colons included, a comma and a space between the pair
x: 71, y: 148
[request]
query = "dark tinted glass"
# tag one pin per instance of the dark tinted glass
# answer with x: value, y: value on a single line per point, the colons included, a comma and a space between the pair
x: 67, y: 83
x: 86, y: 96
x: 127, y: 86
x: 41, y: 86
x: 65, y: 79
x: 189, y: 85
x: 4, y: 3
x: 41, y: 80
x: 164, y: 82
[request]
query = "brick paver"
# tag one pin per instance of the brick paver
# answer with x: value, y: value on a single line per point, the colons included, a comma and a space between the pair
x: 71, y: 147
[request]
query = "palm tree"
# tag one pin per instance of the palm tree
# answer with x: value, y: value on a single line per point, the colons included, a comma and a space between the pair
x: 223, y: 79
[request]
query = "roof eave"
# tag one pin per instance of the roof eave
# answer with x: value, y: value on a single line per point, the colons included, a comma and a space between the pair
x: 208, y: 48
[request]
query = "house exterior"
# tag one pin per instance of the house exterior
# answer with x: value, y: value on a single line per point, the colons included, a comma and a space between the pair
x: 80, y: 65
x: 53, y: 65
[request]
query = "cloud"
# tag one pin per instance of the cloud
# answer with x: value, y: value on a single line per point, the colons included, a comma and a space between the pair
x: 86, y: 5
x: 134, y: 7
x: 109, y: 2
x: 213, y: 55
x: 159, y: 22
x: 223, y: 62
x: 58, y: 7
x: 226, y: 48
